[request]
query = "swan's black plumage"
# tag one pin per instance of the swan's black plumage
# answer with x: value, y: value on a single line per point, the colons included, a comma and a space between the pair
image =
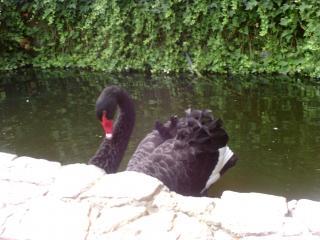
x: 184, y: 162
x: 183, y: 152
x: 111, y: 151
x: 159, y: 135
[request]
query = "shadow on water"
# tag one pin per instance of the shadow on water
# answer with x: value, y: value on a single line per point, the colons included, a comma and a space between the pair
x: 273, y: 122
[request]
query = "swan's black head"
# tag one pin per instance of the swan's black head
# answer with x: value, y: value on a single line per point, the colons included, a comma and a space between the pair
x: 108, y: 102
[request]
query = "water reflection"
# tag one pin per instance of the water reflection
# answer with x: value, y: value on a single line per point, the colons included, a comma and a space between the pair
x: 273, y: 122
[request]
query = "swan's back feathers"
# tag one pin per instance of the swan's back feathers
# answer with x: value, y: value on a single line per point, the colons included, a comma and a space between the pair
x: 160, y: 134
x: 167, y: 130
x: 184, y: 161
x: 167, y: 165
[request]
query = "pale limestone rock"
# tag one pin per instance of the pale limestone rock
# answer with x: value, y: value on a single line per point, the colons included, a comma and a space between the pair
x: 190, y: 228
x: 13, y: 193
x: 165, y: 200
x: 154, y: 226
x: 292, y: 206
x: 10, y: 217
x: 193, y: 206
x: 279, y: 237
x: 292, y: 227
x: 5, y: 213
x: 110, y: 219
x: 31, y: 170
x: 123, y: 235
x: 308, y: 213
x: 161, y: 221
x: 73, y: 179
x: 246, y: 214
x: 222, y: 235
x: 6, y: 160
x: 49, y: 219
x: 103, y: 202
x: 134, y: 185
x: 6, y: 157
x: 42, y: 200
x: 156, y: 235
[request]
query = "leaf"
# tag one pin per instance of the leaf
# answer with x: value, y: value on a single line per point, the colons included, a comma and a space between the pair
x: 285, y: 21
x: 251, y: 4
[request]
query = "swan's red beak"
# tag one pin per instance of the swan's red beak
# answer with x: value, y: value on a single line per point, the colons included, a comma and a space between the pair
x: 107, y: 125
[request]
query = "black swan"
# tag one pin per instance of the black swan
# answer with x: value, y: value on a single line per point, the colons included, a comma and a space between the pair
x: 187, y: 154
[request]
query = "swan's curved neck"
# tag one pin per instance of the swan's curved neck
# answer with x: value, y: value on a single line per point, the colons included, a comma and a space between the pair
x: 125, y: 121
x: 111, y: 151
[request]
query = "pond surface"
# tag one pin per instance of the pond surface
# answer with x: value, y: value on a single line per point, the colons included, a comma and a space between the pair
x: 273, y: 122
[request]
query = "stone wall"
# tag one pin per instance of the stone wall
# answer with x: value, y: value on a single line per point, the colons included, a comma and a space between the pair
x: 40, y: 199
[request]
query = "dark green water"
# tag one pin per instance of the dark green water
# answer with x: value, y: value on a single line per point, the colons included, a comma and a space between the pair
x: 273, y: 122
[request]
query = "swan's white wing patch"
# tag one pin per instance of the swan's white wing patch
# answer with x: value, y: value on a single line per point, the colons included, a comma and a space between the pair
x: 225, y: 154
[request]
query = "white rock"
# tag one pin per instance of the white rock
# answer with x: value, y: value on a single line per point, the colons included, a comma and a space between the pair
x: 156, y: 235
x: 187, y: 227
x: 126, y: 184
x: 165, y: 200
x: 13, y: 193
x: 11, y: 216
x: 42, y: 200
x: 103, y: 202
x: 222, y: 235
x: 308, y: 213
x: 73, y: 179
x: 292, y: 206
x: 5, y: 213
x: 195, y: 206
x: 292, y: 227
x: 49, y: 219
x: 32, y: 170
x: 279, y: 237
x: 6, y: 160
x: 110, y: 219
x: 154, y: 226
x: 123, y: 235
x: 249, y: 213
x: 6, y: 157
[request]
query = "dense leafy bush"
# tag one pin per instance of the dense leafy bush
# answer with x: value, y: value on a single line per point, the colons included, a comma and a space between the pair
x: 238, y: 36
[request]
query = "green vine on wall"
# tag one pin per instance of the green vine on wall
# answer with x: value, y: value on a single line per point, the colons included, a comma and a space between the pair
x: 240, y: 36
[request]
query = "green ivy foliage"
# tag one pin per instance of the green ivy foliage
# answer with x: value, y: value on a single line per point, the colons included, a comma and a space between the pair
x: 238, y: 36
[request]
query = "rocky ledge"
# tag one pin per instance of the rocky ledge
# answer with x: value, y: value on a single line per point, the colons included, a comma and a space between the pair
x: 41, y: 199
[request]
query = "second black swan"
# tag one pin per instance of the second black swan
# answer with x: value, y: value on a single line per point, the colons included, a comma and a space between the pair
x: 187, y: 154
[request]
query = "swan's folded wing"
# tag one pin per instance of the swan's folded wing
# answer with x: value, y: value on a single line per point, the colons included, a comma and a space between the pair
x: 145, y: 148
x: 170, y: 165
x: 153, y: 140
